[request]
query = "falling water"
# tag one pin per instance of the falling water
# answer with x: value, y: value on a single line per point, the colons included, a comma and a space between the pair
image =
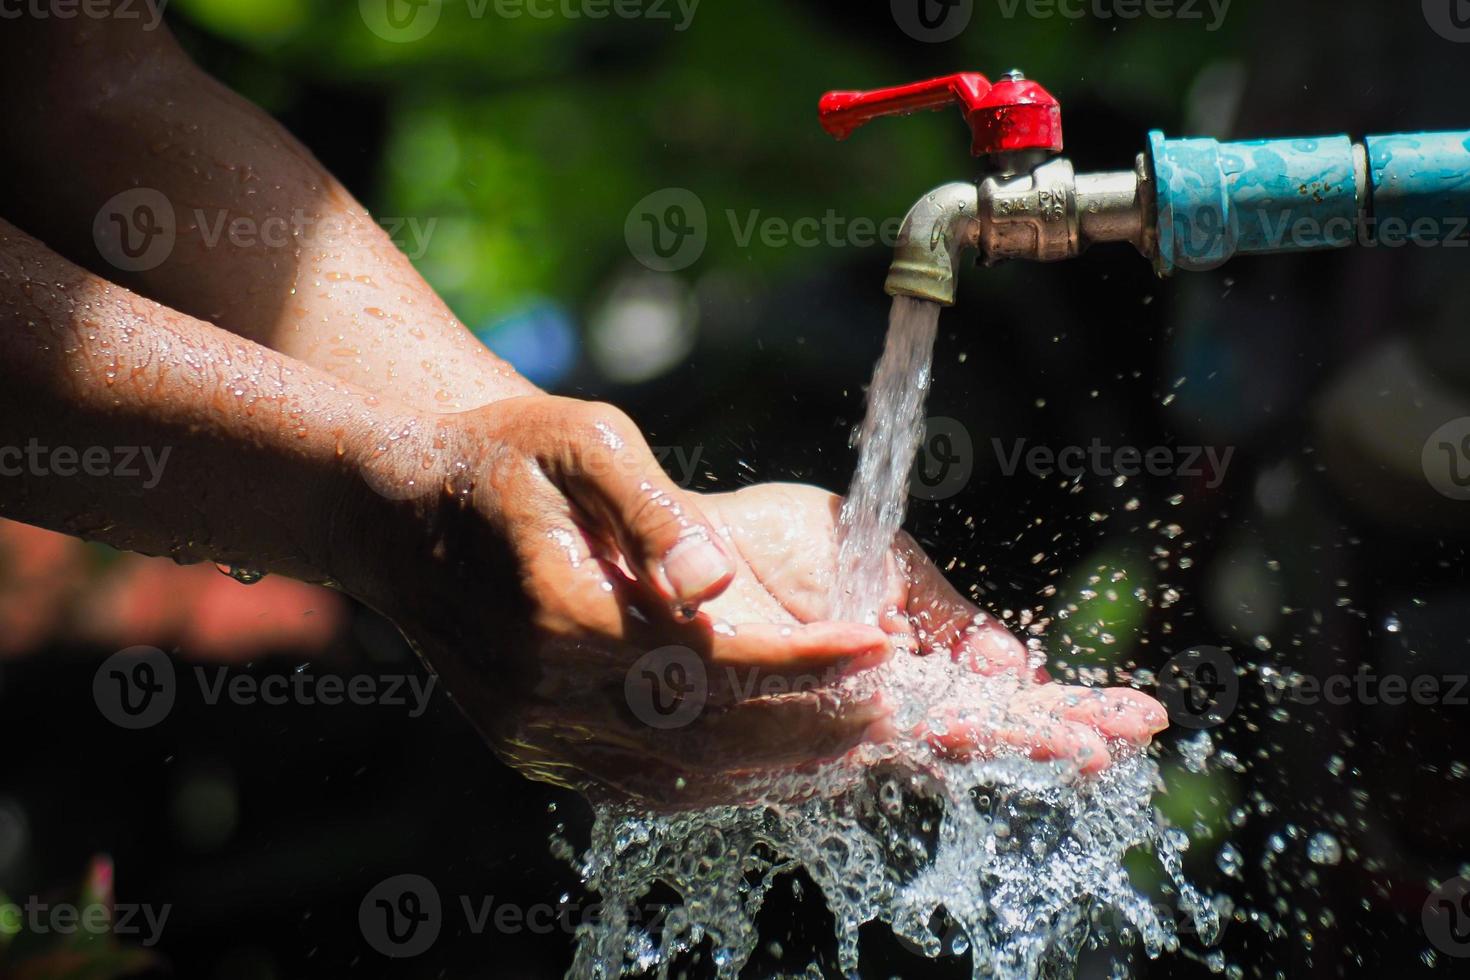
x: 1013, y: 863
x: 888, y: 439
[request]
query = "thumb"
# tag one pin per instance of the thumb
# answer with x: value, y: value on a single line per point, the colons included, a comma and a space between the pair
x: 663, y: 535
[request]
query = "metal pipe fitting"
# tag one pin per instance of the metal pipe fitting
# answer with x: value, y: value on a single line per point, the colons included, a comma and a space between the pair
x: 940, y: 226
x: 1047, y: 214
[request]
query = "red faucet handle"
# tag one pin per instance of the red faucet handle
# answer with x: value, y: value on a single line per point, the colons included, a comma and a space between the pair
x: 843, y: 112
x: 1012, y: 114
x: 1017, y: 114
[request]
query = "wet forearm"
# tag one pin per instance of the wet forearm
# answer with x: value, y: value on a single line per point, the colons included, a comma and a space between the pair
x: 126, y: 422
x: 265, y: 242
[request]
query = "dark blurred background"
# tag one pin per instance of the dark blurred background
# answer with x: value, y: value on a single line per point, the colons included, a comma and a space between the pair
x: 522, y: 148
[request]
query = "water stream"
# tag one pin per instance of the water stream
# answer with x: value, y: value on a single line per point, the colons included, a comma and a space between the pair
x: 1013, y: 863
x: 887, y: 441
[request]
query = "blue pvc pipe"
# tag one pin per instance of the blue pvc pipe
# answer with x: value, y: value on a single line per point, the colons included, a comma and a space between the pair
x: 1421, y: 182
x: 1216, y: 200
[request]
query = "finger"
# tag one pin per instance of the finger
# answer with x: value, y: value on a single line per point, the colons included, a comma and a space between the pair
x: 1041, y: 738
x: 986, y: 647
x: 817, y: 664
x: 746, y: 657
x: 664, y: 537
x: 776, y: 647
x: 707, y: 758
x: 783, y: 732
x: 1118, y: 712
x: 952, y: 623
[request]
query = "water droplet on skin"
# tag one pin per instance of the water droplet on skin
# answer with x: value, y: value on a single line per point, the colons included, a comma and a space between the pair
x: 241, y: 573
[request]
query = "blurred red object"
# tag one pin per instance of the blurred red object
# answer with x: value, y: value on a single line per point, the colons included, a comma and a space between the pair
x: 56, y: 588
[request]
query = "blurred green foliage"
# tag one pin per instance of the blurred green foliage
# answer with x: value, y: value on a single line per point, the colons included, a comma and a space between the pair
x: 527, y: 139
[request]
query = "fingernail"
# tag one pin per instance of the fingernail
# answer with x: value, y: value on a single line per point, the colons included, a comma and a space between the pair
x: 694, y: 566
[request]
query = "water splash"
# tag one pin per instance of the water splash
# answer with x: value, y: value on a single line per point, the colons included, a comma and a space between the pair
x: 999, y: 859
x: 1013, y: 863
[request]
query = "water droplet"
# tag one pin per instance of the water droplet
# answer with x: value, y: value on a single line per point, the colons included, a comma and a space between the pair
x: 240, y: 573
x: 1323, y: 848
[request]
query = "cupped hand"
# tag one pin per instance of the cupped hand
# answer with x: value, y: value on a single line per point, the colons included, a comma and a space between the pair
x: 595, y: 621
x: 786, y: 536
x: 549, y: 604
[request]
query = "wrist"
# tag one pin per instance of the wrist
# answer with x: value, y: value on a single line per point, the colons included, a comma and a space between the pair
x: 402, y: 526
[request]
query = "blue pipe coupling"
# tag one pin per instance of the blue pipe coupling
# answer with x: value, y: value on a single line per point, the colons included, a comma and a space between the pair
x: 1215, y: 200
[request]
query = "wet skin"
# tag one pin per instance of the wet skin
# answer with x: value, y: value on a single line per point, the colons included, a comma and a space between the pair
x: 332, y: 421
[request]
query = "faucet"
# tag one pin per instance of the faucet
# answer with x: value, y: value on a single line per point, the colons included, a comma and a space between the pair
x: 1186, y: 204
